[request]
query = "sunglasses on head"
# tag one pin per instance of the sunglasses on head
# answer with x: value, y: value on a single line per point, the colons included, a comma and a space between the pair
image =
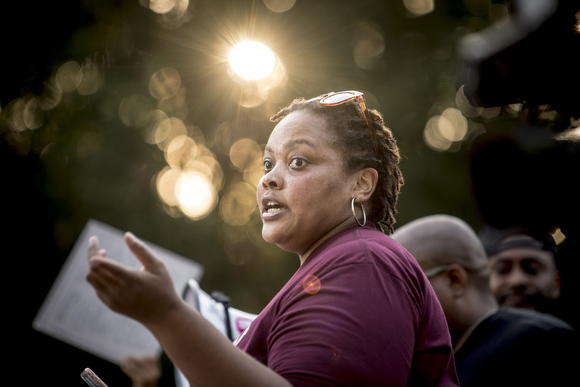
x: 341, y: 97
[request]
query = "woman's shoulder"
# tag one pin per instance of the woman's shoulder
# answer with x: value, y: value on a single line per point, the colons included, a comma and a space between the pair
x: 371, y: 240
x: 360, y: 245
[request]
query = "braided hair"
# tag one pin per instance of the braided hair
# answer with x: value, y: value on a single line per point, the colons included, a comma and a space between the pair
x: 353, y: 139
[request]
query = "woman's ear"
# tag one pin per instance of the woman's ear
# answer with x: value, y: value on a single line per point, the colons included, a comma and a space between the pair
x: 366, y: 183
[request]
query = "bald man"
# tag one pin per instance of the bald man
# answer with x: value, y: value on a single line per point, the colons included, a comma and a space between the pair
x: 492, y: 345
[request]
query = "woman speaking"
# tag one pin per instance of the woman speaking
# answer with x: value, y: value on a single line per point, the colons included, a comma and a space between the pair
x: 357, y: 312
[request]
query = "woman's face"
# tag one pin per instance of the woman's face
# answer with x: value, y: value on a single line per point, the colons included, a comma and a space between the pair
x: 304, y: 195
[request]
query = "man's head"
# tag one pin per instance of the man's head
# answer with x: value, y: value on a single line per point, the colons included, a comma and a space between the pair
x: 452, y: 257
x: 523, y: 267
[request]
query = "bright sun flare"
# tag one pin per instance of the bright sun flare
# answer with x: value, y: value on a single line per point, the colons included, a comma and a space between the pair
x: 252, y: 60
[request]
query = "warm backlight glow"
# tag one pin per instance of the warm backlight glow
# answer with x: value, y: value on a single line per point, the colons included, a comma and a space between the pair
x: 252, y: 60
x: 195, y: 194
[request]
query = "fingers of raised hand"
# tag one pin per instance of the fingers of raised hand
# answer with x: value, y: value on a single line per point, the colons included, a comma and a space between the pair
x: 94, y: 248
x: 139, y: 294
x: 107, y: 271
x: 143, y: 253
x: 110, y: 280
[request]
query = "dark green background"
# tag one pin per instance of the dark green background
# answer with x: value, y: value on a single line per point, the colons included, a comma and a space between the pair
x: 47, y: 197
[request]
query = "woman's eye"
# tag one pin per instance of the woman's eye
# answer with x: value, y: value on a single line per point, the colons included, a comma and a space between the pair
x: 297, y: 163
x: 268, y: 165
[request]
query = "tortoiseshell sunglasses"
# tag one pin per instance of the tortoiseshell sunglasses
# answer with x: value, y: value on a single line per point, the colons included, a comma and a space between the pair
x: 341, y: 97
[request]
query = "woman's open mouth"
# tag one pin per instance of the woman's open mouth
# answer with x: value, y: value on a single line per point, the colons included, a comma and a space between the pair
x: 271, y: 208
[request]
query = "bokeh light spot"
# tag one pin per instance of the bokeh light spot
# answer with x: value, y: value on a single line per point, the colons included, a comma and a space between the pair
x: 195, y: 194
x: 91, y: 78
x: 463, y: 104
x: 161, y: 6
x: 165, y: 83
x: 69, y: 76
x: 432, y: 136
x: 151, y: 122
x: 166, y: 180
x: 254, y: 171
x: 458, y: 125
x: 32, y: 114
x: 222, y: 137
x: 419, y: 7
x: 133, y: 110
x: 252, y: 96
x: 244, y: 152
x: 16, y: 119
x: 182, y: 151
x: 167, y: 130
x: 237, y: 206
x: 175, y: 104
x: 279, y: 6
x: 51, y: 95
x: 212, y: 166
x: 368, y: 45
x: 178, y: 15
x: 311, y: 284
x: 190, y: 184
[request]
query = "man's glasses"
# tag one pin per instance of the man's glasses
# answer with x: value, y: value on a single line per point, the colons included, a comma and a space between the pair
x: 435, y: 271
x: 335, y: 99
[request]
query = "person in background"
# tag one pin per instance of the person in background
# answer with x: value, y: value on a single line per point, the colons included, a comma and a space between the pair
x: 144, y: 371
x: 357, y: 312
x: 493, y: 346
x: 524, y: 273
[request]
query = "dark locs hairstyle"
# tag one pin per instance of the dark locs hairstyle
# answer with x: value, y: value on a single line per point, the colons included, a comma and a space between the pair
x: 353, y: 139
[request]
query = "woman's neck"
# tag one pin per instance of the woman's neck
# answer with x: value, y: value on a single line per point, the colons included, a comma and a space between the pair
x: 341, y: 226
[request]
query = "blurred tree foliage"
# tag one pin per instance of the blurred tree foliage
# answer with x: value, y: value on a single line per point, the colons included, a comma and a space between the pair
x: 82, y: 161
x: 95, y: 165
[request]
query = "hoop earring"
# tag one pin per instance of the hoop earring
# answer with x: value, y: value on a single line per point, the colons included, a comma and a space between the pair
x: 354, y: 213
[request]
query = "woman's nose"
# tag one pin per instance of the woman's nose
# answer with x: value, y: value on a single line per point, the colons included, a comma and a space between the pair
x: 272, y: 180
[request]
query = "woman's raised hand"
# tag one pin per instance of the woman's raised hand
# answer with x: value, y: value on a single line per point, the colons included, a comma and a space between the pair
x: 144, y: 294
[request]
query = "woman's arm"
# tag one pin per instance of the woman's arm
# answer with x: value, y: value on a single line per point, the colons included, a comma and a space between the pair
x: 204, y: 355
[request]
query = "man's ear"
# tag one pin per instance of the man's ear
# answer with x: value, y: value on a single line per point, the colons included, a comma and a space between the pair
x: 365, y: 184
x: 457, y: 279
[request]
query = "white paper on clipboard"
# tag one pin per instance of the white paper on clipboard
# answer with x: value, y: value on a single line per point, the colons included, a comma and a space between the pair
x: 72, y: 312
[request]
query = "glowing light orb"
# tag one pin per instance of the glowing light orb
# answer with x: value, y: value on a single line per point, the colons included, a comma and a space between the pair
x: 195, y: 194
x: 311, y: 284
x: 252, y: 60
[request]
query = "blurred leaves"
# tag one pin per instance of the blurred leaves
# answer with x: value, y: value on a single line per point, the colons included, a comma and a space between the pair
x: 118, y: 100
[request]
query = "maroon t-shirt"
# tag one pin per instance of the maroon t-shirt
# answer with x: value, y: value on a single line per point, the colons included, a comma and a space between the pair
x: 358, y: 312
